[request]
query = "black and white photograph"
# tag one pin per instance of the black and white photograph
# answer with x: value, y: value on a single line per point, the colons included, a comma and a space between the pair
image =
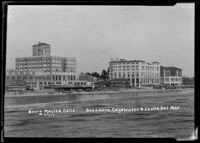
x: 100, y: 71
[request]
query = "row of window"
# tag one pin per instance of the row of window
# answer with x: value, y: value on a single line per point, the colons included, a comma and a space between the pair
x: 133, y: 67
x: 141, y: 81
x: 128, y: 69
x: 71, y: 60
x: 168, y: 73
x: 20, y: 73
x: 125, y: 66
x: 43, y: 60
x: 46, y: 83
x: 38, y: 66
x: 71, y: 68
x: 33, y: 68
x: 28, y: 78
x: 129, y: 76
x: 64, y: 59
x: 34, y: 59
x: 135, y: 74
x: 54, y: 77
x: 119, y: 63
x: 42, y: 63
x: 70, y: 71
x: 69, y: 77
x: 71, y: 64
x: 80, y: 83
x: 173, y: 80
x: 32, y: 64
x: 119, y: 75
x: 150, y: 80
x: 56, y: 67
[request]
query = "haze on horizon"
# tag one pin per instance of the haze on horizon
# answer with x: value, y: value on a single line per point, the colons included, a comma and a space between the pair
x: 95, y: 34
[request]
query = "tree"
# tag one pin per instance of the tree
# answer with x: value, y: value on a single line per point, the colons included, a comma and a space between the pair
x: 187, y: 80
x: 95, y: 74
x: 87, y: 73
x: 104, y: 74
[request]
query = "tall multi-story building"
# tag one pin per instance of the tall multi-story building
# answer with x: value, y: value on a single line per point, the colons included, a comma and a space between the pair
x: 44, y: 68
x: 41, y: 49
x: 139, y: 72
x: 49, y: 66
x: 171, y: 76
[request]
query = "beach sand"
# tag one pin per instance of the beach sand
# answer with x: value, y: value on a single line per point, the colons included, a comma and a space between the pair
x: 42, y: 93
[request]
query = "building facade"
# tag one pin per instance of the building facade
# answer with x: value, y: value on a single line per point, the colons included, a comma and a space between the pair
x: 171, y: 76
x: 15, y: 85
x: 139, y: 72
x: 41, y: 49
x: 54, y: 70
x: 87, y: 78
x: 44, y: 69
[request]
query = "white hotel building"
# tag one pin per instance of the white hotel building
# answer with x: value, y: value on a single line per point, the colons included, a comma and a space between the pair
x: 44, y: 68
x: 139, y: 72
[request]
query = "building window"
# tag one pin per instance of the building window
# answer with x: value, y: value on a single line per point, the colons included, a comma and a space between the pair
x: 137, y: 80
x: 167, y: 73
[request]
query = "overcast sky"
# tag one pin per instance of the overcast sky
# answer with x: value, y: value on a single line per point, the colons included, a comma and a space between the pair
x: 94, y: 34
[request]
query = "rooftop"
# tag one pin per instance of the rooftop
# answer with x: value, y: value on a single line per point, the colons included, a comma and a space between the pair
x: 124, y: 60
x: 155, y: 62
x: 121, y: 60
x: 41, y: 43
x: 35, y: 57
x: 170, y: 67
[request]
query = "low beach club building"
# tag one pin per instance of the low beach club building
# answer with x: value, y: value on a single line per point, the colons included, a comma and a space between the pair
x: 139, y: 72
x: 171, y: 76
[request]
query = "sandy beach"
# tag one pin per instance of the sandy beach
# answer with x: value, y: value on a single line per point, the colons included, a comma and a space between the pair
x: 42, y: 93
